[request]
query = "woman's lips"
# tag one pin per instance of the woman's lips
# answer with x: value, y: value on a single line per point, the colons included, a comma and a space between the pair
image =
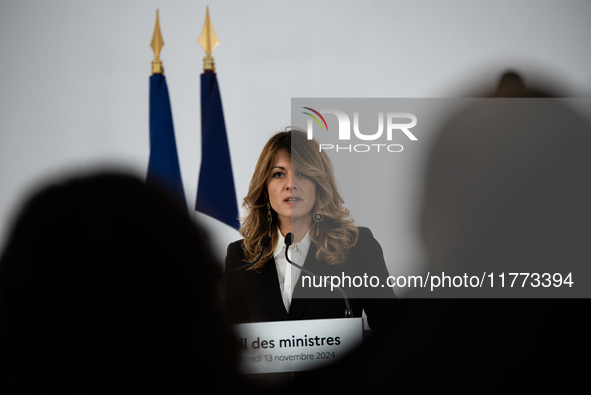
x: 290, y: 200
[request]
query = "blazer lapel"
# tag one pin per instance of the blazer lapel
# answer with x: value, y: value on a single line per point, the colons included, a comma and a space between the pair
x: 266, y: 284
x: 301, y: 297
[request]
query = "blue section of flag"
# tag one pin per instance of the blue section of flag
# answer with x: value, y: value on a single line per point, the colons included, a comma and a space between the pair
x: 216, y: 195
x: 163, y: 168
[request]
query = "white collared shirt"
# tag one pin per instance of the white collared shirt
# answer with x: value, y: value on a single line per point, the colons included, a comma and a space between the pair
x: 288, y: 274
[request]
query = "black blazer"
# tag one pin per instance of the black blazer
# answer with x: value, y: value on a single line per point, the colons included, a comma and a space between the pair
x: 256, y: 296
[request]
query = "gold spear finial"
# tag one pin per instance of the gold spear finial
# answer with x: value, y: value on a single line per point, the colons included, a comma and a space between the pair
x: 208, y: 40
x: 157, y: 44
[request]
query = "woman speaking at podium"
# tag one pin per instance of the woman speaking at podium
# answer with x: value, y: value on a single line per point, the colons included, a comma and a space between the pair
x: 293, y: 190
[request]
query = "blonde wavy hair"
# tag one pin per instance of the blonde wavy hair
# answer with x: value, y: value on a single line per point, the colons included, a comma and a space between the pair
x: 336, y: 232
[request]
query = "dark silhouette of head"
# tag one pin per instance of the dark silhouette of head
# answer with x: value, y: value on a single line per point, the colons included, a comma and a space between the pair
x: 106, y: 283
x: 505, y: 187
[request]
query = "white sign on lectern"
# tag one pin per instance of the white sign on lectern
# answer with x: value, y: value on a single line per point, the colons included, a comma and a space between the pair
x: 292, y: 346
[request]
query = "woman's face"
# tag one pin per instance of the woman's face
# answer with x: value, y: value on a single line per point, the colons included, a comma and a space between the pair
x: 291, y: 194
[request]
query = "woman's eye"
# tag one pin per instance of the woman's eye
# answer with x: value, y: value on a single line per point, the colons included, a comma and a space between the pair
x: 277, y: 174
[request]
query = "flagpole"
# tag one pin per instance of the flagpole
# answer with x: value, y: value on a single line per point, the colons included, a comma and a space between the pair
x: 163, y: 166
x: 216, y: 194
x: 157, y: 44
x: 208, y: 40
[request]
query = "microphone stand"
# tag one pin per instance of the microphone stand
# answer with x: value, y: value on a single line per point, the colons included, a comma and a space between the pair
x: 288, y: 242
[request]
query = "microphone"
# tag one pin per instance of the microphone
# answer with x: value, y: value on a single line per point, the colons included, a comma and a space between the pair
x: 289, y: 241
x: 265, y: 242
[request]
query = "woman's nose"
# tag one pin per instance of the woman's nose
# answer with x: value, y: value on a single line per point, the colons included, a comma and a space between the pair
x: 288, y: 182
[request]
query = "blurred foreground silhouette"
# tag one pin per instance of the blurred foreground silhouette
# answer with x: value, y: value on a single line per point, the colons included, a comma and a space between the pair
x: 105, y: 284
x: 506, y: 189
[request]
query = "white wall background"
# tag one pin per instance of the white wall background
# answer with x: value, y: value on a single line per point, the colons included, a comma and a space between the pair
x: 74, y: 75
